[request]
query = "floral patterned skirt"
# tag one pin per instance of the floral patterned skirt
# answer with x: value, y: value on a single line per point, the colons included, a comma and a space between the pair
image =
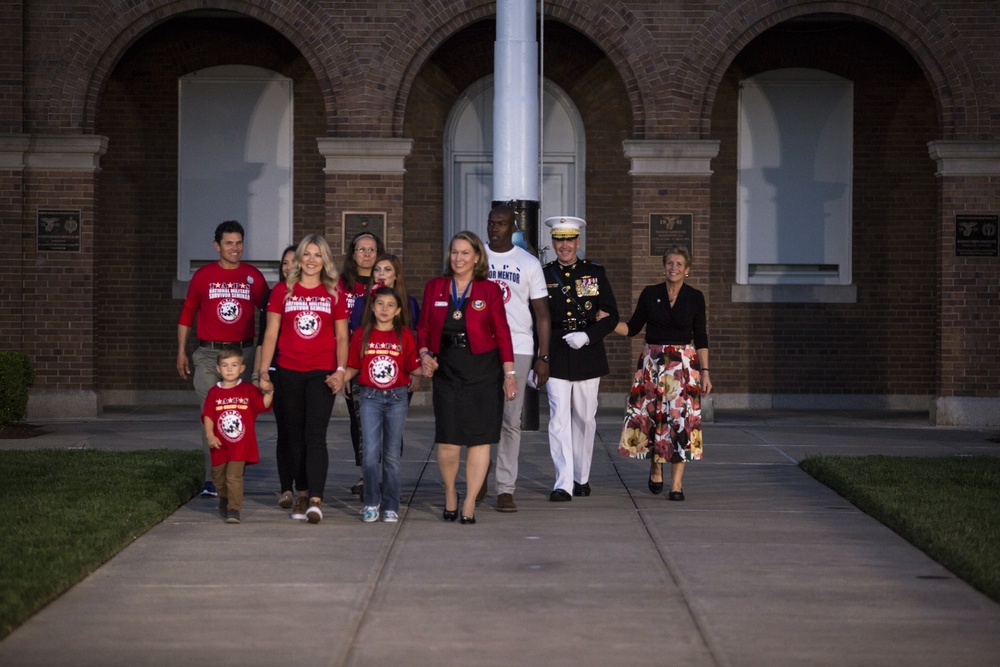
x: 663, y: 415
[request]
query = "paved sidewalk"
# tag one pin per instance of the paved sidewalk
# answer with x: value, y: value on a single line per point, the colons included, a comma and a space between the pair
x: 760, y: 566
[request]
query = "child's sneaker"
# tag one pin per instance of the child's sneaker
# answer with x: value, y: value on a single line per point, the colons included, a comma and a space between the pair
x: 314, y: 514
x: 389, y: 516
x: 223, y: 507
x: 299, y: 509
x: 233, y: 516
x: 208, y: 490
x: 369, y: 514
x: 286, y: 500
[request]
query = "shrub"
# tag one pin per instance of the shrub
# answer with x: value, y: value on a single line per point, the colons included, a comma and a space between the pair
x: 16, y: 377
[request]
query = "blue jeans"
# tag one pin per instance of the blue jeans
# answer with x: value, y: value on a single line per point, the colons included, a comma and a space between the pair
x: 382, y: 415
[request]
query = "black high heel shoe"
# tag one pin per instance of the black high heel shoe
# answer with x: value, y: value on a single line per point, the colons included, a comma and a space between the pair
x: 467, y: 520
x: 451, y: 515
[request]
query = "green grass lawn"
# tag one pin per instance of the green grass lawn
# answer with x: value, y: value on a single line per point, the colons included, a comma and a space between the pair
x: 948, y: 507
x: 64, y: 513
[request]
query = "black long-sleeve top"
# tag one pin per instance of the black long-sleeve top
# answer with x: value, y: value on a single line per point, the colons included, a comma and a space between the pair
x: 670, y: 325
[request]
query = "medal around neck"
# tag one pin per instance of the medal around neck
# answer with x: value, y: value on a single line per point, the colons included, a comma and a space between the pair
x: 459, y: 301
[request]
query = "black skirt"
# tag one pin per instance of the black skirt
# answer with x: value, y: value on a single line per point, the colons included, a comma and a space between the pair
x: 468, y: 397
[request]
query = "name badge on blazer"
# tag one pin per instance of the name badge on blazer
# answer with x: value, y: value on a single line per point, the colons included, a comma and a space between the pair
x: 440, y: 304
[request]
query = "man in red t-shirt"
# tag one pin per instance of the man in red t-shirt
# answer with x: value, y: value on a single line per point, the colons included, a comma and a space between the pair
x: 223, y: 294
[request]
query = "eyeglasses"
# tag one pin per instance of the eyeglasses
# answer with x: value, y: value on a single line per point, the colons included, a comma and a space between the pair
x: 366, y: 251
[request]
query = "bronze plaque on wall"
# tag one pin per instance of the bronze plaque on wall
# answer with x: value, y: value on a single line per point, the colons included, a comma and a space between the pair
x: 58, y: 231
x: 670, y: 229
x: 976, y: 236
x: 356, y: 222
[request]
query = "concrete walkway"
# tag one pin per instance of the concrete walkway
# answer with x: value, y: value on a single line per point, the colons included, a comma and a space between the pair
x: 761, y: 565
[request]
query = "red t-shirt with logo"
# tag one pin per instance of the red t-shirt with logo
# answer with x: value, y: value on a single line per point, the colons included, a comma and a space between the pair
x: 308, y: 340
x: 224, y: 300
x: 386, y: 363
x: 233, y: 413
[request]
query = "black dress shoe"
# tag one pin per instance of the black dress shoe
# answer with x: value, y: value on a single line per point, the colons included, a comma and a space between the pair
x: 676, y: 495
x: 581, y: 489
x: 656, y: 487
x: 559, y: 496
x: 467, y: 520
x: 451, y: 515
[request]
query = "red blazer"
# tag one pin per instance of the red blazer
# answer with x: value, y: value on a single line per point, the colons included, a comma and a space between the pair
x: 485, y: 318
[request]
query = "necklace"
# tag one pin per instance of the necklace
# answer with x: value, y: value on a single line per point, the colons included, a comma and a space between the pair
x: 459, y: 302
x: 672, y: 295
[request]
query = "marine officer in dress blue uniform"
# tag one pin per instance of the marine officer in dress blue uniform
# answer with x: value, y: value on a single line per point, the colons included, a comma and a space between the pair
x: 578, y: 289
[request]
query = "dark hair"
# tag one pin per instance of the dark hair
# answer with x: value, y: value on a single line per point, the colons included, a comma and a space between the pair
x: 288, y: 249
x: 229, y: 227
x: 368, y: 316
x: 349, y: 274
x: 506, y: 209
x: 229, y: 353
x: 481, y: 270
x: 400, y: 287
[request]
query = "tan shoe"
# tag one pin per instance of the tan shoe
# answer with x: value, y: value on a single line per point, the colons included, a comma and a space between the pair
x: 299, y: 509
x: 505, y: 503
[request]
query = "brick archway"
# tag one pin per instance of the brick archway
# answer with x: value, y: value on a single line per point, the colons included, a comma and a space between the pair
x: 930, y: 38
x: 622, y: 37
x: 111, y: 30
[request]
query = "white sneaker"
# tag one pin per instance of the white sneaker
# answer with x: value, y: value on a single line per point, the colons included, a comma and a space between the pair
x: 389, y: 516
x: 314, y: 514
x: 369, y: 514
x: 299, y: 509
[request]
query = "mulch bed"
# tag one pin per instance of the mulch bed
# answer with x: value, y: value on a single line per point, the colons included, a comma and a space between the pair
x: 20, y: 431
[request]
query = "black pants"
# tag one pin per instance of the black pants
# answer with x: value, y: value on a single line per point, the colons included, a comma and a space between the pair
x: 305, y: 411
x: 352, y: 411
x: 289, y: 477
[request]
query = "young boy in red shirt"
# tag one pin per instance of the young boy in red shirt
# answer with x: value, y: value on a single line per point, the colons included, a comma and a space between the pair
x: 231, y: 408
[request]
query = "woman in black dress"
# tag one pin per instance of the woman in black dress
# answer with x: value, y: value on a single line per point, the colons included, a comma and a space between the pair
x: 663, y: 415
x: 465, y: 346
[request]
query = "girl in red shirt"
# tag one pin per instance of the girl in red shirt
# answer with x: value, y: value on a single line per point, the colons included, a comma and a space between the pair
x: 382, y: 355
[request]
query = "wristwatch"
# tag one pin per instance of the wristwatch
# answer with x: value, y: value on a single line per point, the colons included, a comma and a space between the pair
x: 543, y: 357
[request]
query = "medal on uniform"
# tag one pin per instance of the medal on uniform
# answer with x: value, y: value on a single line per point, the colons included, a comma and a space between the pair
x: 459, y: 302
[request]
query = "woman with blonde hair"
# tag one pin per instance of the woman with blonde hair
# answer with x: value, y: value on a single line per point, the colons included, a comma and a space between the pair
x: 307, y: 317
x: 663, y: 416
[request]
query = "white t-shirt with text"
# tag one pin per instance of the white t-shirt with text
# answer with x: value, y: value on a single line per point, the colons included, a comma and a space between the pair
x: 519, y: 275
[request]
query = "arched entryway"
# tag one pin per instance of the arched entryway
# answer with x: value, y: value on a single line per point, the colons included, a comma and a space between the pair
x: 468, y: 158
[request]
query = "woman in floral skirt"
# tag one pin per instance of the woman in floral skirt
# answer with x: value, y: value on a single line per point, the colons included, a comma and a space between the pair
x: 663, y: 415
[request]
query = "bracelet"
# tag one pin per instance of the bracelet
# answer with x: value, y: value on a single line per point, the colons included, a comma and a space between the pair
x: 510, y: 373
x: 543, y: 358
x: 340, y: 369
x: 704, y: 370
x: 255, y: 376
x: 425, y: 353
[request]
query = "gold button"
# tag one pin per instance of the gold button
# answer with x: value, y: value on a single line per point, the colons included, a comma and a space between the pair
x: 569, y: 314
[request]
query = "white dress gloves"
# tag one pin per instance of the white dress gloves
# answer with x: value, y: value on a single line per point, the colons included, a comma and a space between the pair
x: 576, y: 339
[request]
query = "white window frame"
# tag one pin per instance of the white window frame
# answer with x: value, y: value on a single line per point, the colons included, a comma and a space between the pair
x: 234, y: 162
x: 794, y: 187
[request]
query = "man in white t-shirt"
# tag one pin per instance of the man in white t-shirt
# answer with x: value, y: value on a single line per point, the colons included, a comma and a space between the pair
x: 519, y: 275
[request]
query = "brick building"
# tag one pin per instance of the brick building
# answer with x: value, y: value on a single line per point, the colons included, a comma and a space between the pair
x: 834, y: 165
